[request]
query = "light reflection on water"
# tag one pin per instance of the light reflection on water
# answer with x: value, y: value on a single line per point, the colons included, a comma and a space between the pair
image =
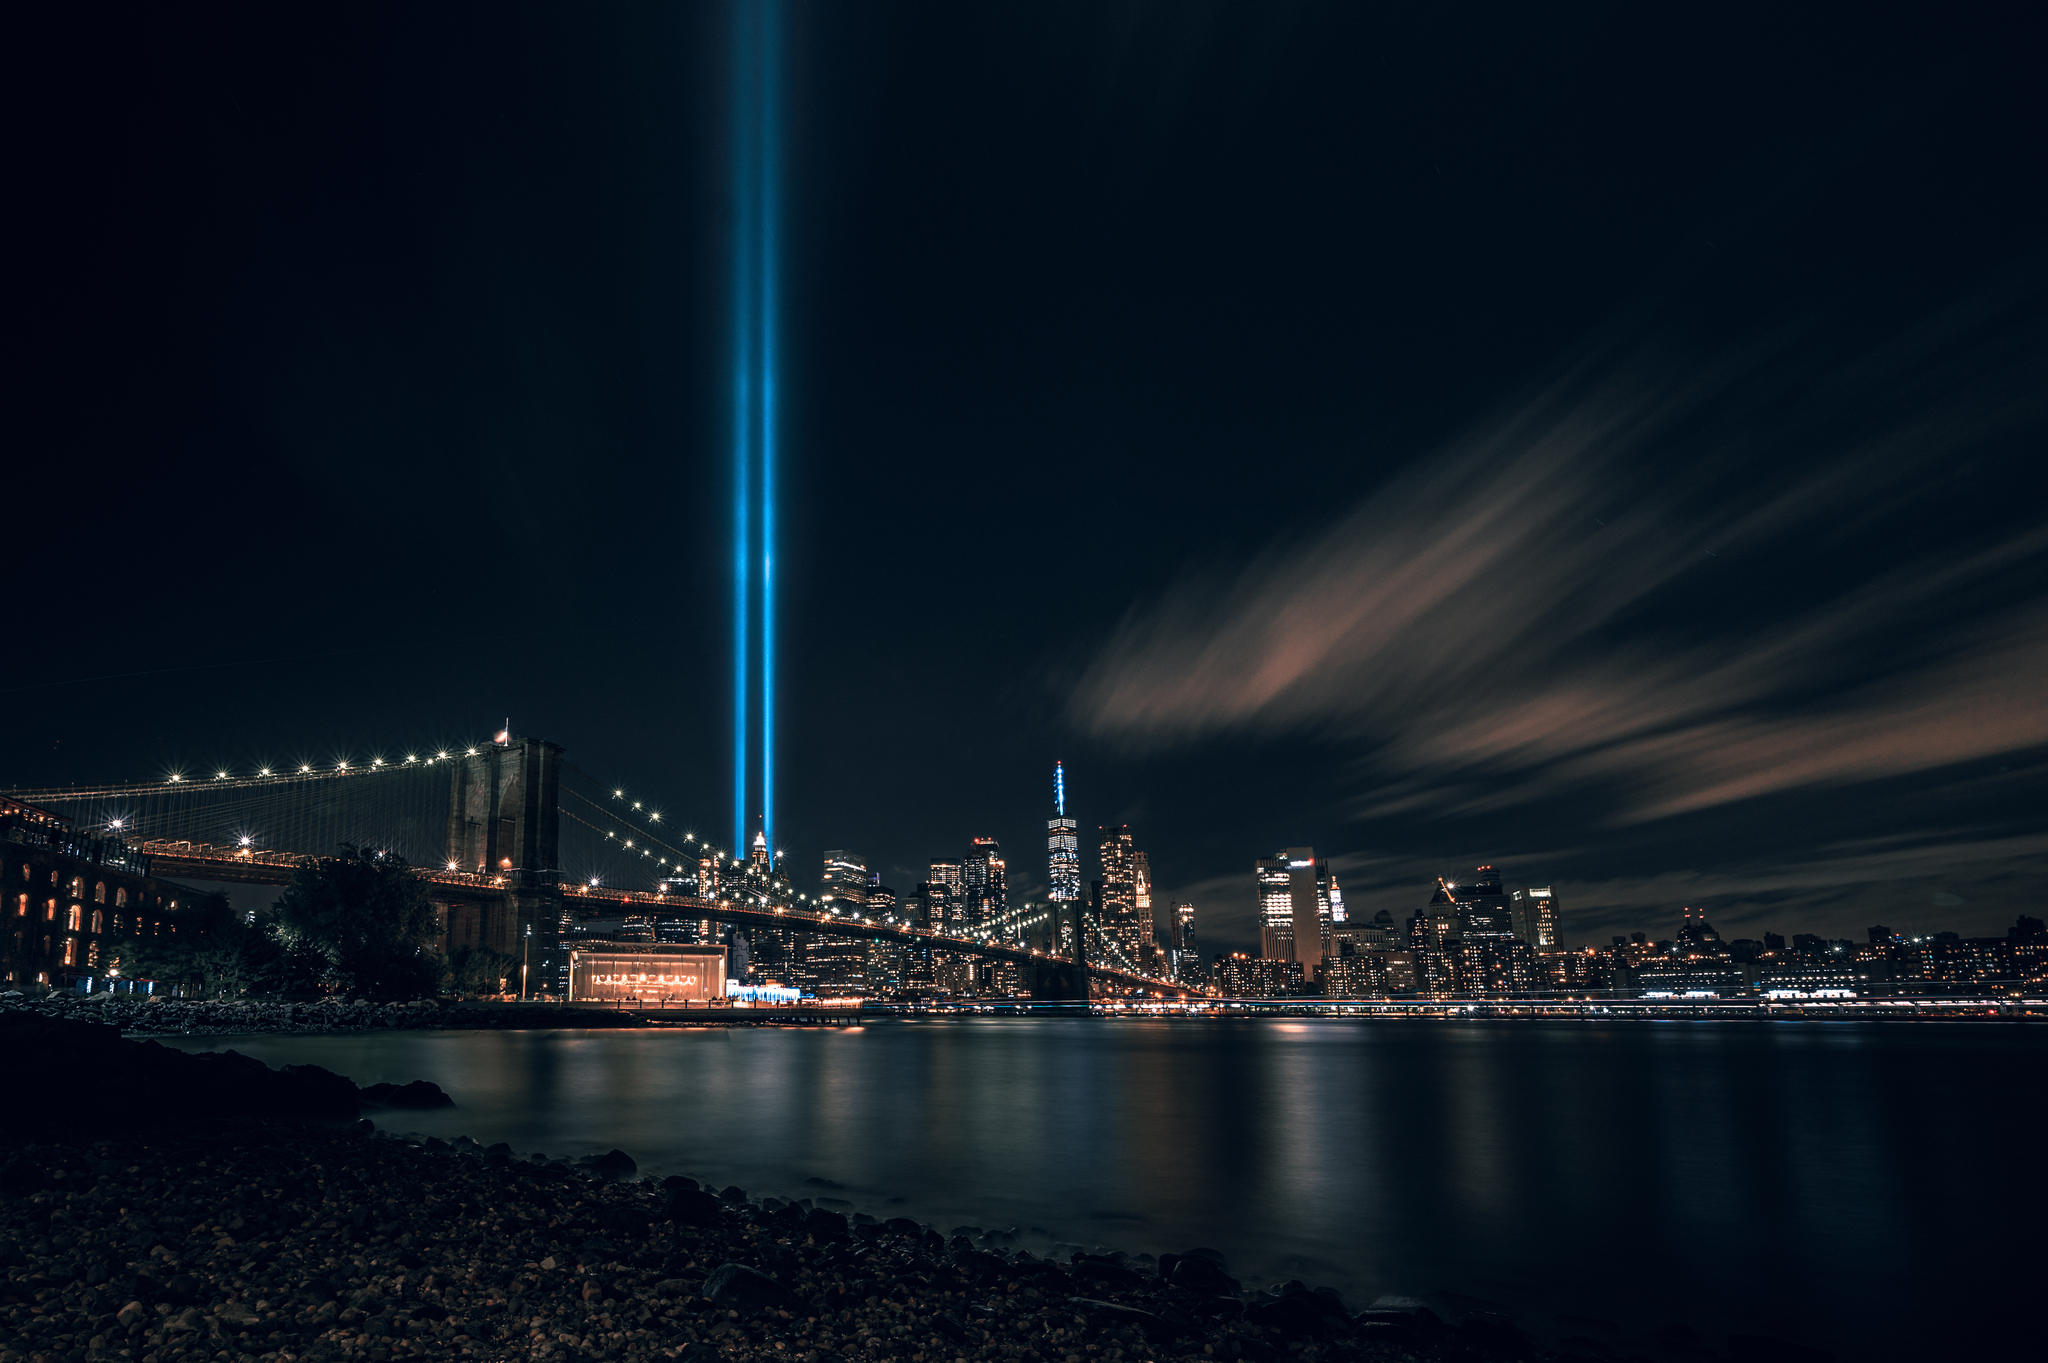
x: 1802, y: 1179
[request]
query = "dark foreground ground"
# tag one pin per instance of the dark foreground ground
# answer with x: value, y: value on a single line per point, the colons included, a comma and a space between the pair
x: 163, y: 1207
x: 247, y: 1240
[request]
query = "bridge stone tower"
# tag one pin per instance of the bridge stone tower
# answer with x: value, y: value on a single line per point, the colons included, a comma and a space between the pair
x: 505, y: 821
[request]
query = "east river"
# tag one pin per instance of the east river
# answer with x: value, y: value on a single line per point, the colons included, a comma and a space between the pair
x: 1877, y: 1189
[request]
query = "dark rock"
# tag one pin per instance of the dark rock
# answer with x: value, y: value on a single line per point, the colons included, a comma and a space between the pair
x: 628, y: 1220
x: 980, y: 1263
x: 691, y: 1207
x: 1492, y: 1339
x: 1198, y: 1273
x: 949, y: 1325
x: 1769, y: 1349
x: 313, y: 1291
x: 735, y: 1287
x: 734, y: 1195
x: 1093, y: 1272
x: 419, y: 1095
x: 675, y: 1181
x: 1213, y: 1256
x: 825, y: 1225
x: 1292, y: 1316
x: 902, y: 1225
x: 611, y: 1164
x: 1166, y: 1263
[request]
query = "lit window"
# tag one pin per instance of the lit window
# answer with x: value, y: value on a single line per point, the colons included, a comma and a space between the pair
x: 78, y: 887
x: 71, y: 916
x: 71, y: 951
x: 98, y: 921
x: 99, y: 892
x: 92, y: 954
x: 21, y: 907
x: 120, y: 898
x: 49, y: 911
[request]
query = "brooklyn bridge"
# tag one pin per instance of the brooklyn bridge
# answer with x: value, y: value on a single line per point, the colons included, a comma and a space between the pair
x: 518, y: 846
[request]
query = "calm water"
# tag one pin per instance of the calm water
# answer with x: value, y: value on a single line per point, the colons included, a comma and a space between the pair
x: 1872, y: 1187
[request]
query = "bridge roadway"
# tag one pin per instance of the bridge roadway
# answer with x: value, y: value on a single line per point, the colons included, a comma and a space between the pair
x: 245, y: 866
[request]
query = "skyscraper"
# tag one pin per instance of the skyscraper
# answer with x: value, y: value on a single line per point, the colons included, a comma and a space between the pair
x: 943, y: 900
x: 1295, y: 908
x: 1309, y: 906
x: 984, y: 883
x: 1062, y: 845
x: 845, y: 883
x: 1535, y: 917
x: 1119, y: 899
x: 1276, y: 910
x: 1141, y: 901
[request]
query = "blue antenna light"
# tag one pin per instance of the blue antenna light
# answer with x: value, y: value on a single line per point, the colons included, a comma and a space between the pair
x: 1059, y: 788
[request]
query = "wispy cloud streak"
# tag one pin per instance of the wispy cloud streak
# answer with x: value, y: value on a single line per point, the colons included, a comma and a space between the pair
x: 1614, y: 587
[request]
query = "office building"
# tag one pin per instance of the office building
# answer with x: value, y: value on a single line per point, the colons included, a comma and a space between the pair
x: 1276, y: 909
x: 984, y: 883
x: 1534, y: 914
x: 1062, y: 846
x: 845, y: 882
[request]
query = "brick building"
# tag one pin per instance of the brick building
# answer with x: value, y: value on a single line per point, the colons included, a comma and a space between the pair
x: 67, y: 896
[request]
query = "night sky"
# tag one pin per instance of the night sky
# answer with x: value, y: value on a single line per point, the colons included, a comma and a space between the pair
x: 1604, y: 443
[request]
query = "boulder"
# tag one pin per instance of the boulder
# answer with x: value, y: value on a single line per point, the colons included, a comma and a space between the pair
x: 1092, y: 1271
x: 419, y: 1095
x: 825, y: 1225
x: 903, y: 1225
x: 735, y: 1287
x: 611, y: 1164
x: 691, y: 1207
x: 1199, y: 1274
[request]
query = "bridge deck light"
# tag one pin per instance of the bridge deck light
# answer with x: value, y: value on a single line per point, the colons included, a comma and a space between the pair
x: 412, y: 757
x: 341, y: 765
x: 176, y: 777
x: 439, y: 755
x: 376, y: 761
x: 264, y: 772
x: 220, y: 776
x: 470, y: 751
x: 307, y: 767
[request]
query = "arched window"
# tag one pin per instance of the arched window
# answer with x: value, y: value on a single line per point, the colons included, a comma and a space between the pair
x: 78, y: 887
x: 120, y: 898
x: 99, y: 892
x: 99, y: 921
x: 92, y: 954
x: 71, y: 916
x: 53, y: 875
x: 71, y: 951
x: 21, y: 907
x: 49, y: 911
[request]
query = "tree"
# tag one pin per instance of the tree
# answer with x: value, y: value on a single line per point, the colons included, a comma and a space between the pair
x: 208, y: 949
x: 481, y: 970
x: 359, y: 923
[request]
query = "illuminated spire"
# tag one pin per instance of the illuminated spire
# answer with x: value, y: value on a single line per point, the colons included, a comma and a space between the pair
x: 1059, y: 788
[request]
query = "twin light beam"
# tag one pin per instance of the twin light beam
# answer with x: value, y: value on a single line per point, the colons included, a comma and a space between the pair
x: 756, y: 247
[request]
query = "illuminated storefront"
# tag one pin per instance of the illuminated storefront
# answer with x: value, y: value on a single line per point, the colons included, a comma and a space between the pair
x: 646, y: 973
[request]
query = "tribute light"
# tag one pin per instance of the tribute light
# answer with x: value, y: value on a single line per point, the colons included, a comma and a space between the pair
x: 756, y: 247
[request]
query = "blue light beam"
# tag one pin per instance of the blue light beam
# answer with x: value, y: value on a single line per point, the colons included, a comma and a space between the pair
x: 756, y: 246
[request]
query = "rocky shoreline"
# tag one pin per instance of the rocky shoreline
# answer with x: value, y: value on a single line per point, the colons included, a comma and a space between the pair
x: 270, y: 1224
